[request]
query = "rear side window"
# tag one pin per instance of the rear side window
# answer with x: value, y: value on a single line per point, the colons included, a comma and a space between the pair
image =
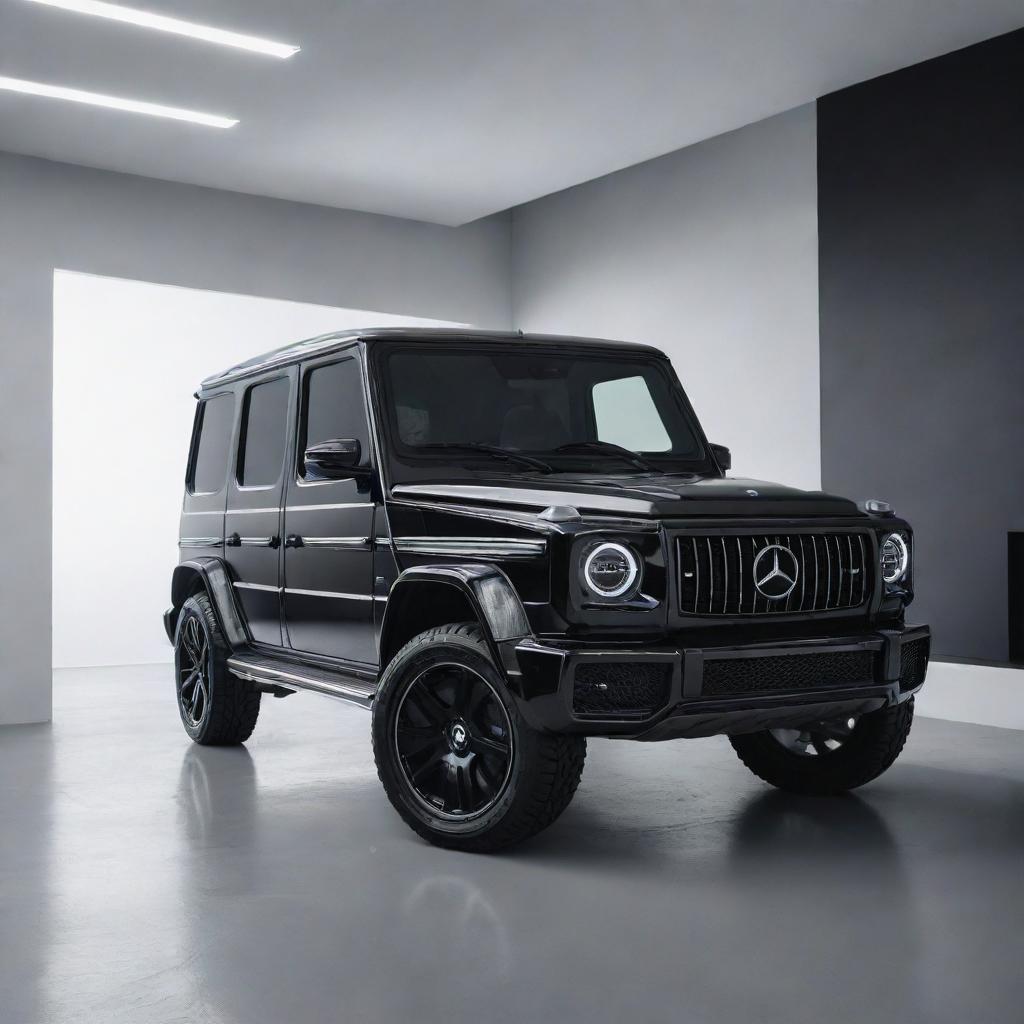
x: 209, y: 467
x: 264, y: 428
x: 334, y: 406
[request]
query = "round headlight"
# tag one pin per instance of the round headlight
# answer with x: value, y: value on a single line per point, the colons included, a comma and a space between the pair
x: 611, y: 570
x: 894, y: 558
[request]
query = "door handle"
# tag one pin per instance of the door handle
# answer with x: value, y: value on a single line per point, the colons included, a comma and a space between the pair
x: 232, y: 540
x: 293, y: 540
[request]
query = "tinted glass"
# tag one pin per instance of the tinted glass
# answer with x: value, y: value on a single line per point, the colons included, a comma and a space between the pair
x: 625, y: 414
x: 334, y: 405
x: 211, y: 461
x: 535, y: 402
x: 263, y: 431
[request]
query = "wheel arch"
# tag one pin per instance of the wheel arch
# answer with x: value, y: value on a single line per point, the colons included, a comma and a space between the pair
x: 209, y: 575
x: 435, y: 595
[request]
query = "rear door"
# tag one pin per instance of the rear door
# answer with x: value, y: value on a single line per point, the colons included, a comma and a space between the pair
x: 328, y: 524
x: 252, y: 543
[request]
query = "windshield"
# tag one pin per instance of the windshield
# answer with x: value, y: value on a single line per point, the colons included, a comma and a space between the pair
x: 537, y: 410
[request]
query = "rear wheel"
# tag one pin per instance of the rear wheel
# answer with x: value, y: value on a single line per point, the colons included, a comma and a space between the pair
x: 830, y: 756
x: 457, y: 760
x: 216, y: 708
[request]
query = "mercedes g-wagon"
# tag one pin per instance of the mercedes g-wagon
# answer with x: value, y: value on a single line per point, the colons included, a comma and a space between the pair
x: 503, y: 544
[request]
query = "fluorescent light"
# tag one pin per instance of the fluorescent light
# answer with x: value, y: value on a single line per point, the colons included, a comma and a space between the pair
x: 96, y: 99
x: 131, y: 16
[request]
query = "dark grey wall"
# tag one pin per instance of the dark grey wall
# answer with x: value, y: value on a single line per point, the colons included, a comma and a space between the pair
x: 921, y: 269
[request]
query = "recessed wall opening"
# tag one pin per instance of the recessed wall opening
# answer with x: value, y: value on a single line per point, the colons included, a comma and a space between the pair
x: 127, y: 358
x: 1015, y: 594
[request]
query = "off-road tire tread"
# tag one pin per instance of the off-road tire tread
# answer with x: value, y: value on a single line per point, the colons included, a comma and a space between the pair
x: 557, y: 766
x: 880, y: 745
x: 235, y: 705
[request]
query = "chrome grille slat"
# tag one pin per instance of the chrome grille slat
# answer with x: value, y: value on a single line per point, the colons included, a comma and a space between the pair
x: 713, y: 573
x: 739, y: 552
x: 863, y: 570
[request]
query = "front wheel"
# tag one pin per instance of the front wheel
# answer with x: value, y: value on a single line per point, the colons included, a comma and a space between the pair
x: 457, y: 760
x: 830, y: 756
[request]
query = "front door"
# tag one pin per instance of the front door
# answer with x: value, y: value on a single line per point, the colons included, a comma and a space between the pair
x: 328, y: 524
x: 252, y: 542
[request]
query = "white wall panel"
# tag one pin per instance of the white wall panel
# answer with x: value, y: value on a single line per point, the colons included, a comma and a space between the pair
x: 127, y: 358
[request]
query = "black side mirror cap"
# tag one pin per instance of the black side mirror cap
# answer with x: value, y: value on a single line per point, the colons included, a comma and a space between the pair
x: 337, y: 459
x: 722, y: 456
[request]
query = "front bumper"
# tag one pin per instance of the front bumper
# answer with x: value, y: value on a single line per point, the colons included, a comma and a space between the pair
x: 657, y: 693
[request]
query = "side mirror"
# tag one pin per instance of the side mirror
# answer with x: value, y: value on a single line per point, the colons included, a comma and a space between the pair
x: 722, y: 456
x: 337, y: 459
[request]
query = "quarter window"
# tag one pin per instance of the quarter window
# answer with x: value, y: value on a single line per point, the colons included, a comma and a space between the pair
x: 213, y: 438
x: 334, y: 406
x: 625, y: 414
x: 264, y: 427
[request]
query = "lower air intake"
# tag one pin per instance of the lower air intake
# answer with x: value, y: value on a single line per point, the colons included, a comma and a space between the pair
x: 914, y: 663
x: 619, y: 688
x: 787, y: 672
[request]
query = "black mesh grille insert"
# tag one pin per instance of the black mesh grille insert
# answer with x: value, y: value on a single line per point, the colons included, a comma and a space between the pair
x: 827, y: 571
x: 914, y: 662
x: 787, y: 672
x: 621, y: 688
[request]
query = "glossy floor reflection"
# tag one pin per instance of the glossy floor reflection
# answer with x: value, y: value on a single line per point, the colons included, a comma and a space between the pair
x: 143, y: 879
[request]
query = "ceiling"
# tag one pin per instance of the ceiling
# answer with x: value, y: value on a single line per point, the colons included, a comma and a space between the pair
x: 447, y: 110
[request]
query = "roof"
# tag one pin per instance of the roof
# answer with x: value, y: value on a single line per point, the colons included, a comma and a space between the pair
x: 326, y: 343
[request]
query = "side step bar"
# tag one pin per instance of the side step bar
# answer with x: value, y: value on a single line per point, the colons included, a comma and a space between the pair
x: 277, y: 673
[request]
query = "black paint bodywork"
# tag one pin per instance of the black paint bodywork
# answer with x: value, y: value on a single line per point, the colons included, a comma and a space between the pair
x: 331, y: 577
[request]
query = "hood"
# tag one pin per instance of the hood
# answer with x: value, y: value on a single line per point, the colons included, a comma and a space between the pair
x: 640, y: 494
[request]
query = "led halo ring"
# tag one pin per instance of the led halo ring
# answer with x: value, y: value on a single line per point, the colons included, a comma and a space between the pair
x: 894, y: 568
x: 631, y: 561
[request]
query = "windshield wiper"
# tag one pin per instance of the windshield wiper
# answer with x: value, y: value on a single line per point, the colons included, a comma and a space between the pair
x: 611, y: 449
x: 506, y: 454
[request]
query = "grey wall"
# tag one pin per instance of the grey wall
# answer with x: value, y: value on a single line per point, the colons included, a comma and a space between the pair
x: 711, y: 254
x: 59, y: 216
x: 921, y: 213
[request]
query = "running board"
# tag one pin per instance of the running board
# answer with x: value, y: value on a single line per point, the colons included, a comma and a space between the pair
x: 275, y: 672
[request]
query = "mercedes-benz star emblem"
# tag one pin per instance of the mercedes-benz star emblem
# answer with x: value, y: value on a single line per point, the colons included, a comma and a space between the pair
x: 775, y: 572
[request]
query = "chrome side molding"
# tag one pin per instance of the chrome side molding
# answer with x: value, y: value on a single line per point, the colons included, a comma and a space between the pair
x: 200, y: 542
x: 473, y: 547
x: 335, y: 542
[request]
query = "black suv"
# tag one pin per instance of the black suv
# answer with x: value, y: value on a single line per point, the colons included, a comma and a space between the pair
x: 502, y: 544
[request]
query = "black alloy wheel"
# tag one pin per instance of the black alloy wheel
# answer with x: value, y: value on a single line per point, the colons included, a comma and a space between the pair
x: 454, y: 741
x: 828, y: 756
x: 216, y: 708
x: 457, y: 759
x: 818, y: 739
x: 194, y: 671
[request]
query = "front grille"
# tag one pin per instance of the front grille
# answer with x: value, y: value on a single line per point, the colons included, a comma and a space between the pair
x: 621, y: 688
x: 914, y: 663
x: 787, y: 672
x: 716, y: 573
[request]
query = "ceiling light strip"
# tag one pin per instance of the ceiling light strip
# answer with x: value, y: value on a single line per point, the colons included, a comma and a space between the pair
x: 162, y: 23
x: 96, y: 99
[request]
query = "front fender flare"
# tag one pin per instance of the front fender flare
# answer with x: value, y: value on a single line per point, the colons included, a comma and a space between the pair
x: 491, y: 597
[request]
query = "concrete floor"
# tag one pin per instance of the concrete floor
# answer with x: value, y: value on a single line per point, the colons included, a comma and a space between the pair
x: 144, y: 879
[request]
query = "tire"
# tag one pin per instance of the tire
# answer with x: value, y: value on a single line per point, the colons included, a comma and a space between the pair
x: 216, y: 709
x: 836, y: 756
x: 484, y: 778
